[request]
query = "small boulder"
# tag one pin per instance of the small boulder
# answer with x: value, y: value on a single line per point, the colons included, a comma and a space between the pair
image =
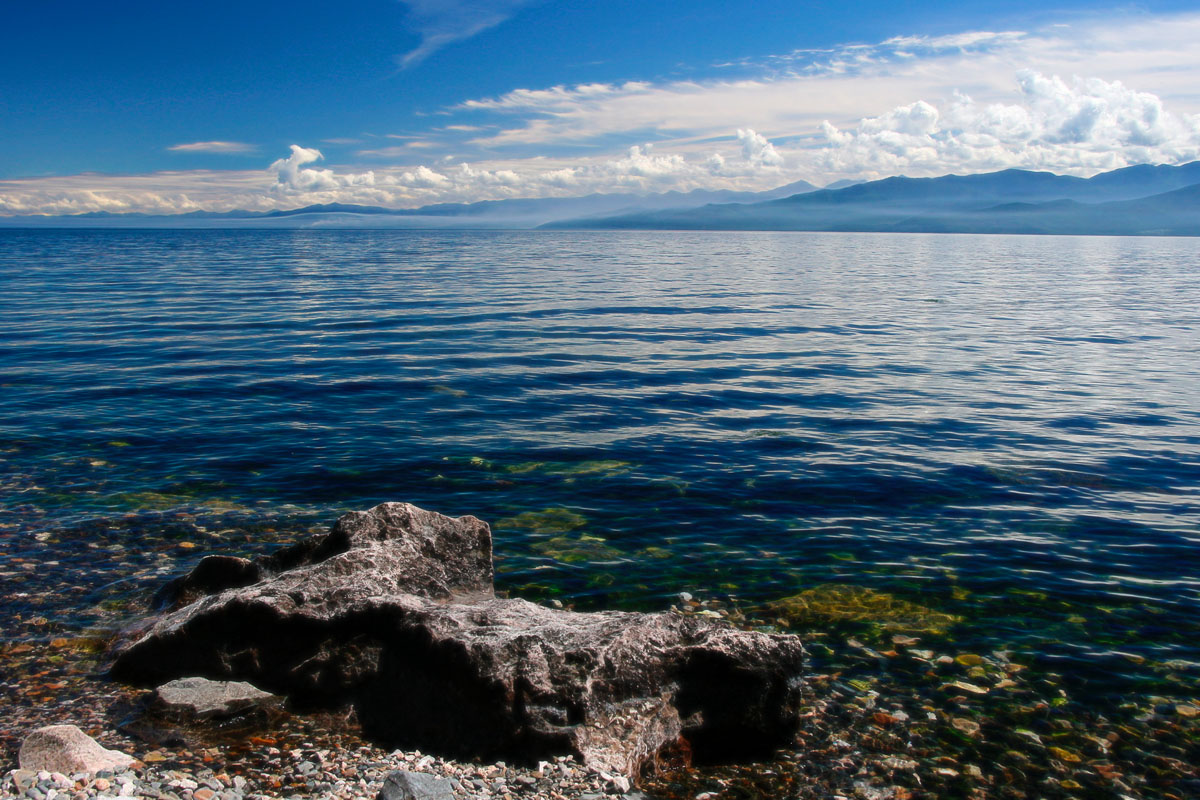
x: 403, y: 785
x: 198, y: 699
x: 66, y: 749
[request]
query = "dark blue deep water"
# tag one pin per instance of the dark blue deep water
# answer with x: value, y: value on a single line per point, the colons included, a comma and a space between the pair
x: 1006, y: 429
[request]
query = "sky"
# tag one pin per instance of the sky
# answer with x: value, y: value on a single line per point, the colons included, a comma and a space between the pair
x: 174, y: 107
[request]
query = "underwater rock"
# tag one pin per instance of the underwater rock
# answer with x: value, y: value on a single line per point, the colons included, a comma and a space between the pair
x: 835, y: 604
x: 66, y: 749
x: 577, y: 550
x: 393, y: 612
x: 549, y: 520
x: 194, y: 699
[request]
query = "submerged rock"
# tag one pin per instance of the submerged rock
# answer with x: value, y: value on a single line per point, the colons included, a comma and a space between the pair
x: 68, y: 750
x: 549, y: 520
x: 196, y: 699
x: 393, y: 611
x: 835, y: 604
x: 580, y: 549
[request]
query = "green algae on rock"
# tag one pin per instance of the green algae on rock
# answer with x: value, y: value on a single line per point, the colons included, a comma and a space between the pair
x: 579, y: 549
x: 524, y: 467
x: 602, y: 468
x: 654, y: 551
x: 548, y: 520
x: 843, y: 604
x: 606, y: 468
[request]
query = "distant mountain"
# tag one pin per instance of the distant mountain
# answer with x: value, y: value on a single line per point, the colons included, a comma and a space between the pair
x: 842, y: 184
x: 1144, y: 199
x: 517, y: 213
x: 1134, y: 200
x: 1175, y: 213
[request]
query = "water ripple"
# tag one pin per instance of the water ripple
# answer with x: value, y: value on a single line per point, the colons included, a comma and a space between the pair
x: 996, y: 418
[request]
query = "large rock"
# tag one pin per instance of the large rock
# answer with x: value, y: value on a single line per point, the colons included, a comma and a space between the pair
x: 393, y: 611
x: 66, y: 749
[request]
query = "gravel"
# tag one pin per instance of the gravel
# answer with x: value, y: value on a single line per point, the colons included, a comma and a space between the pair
x: 305, y: 774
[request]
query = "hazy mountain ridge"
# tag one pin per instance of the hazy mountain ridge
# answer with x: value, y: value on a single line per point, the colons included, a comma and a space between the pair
x: 515, y: 213
x: 1143, y: 199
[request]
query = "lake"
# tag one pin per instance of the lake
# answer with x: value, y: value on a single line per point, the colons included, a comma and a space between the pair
x: 999, y: 430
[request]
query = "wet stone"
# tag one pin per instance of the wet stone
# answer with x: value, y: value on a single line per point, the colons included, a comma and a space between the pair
x: 401, y: 785
x: 193, y: 699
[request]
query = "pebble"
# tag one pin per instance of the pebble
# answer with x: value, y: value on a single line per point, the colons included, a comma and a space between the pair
x: 969, y: 727
x: 350, y: 774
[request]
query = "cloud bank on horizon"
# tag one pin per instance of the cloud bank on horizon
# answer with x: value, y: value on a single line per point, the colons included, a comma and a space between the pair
x: 1079, y: 100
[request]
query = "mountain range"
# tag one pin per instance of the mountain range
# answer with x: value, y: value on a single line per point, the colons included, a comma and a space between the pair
x: 516, y: 213
x: 1138, y: 200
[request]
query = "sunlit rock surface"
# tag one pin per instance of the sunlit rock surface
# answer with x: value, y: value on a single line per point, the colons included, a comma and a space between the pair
x: 393, y: 611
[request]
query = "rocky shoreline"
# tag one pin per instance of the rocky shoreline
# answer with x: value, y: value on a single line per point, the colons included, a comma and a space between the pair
x: 889, y: 709
x: 393, y: 614
x: 358, y: 774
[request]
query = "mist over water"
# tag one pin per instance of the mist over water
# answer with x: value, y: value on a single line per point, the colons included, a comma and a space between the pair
x: 1004, y: 428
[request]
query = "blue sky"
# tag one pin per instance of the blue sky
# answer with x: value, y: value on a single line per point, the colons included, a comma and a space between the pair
x: 153, y: 106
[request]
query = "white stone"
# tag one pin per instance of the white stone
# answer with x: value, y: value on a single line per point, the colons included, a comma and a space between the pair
x: 66, y: 749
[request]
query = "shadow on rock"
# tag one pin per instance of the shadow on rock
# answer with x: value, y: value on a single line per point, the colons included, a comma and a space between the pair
x: 394, y: 612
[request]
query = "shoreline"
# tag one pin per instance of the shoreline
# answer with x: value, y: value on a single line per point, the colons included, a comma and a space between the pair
x: 893, y: 721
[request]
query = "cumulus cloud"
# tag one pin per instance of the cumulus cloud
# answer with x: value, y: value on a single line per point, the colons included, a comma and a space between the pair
x: 291, y: 176
x: 443, y: 22
x: 1079, y: 126
x: 213, y: 147
x: 757, y: 150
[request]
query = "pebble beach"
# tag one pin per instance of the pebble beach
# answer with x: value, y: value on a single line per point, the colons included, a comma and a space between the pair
x: 893, y: 719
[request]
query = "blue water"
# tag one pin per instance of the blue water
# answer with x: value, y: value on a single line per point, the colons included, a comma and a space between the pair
x: 1004, y: 428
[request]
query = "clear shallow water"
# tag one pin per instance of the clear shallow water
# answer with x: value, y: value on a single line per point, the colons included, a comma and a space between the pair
x: 1002, y: 428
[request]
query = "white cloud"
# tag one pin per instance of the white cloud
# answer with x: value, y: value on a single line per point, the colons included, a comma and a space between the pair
x: 158, y: 192
x: 213, y: 147
x: 397, y: 151
x: 443, y: 22
x: 1080, y: 126
x: 757, y: 150
x: 790, y: 95
x: 290, y: 177
x: 971, y: 102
